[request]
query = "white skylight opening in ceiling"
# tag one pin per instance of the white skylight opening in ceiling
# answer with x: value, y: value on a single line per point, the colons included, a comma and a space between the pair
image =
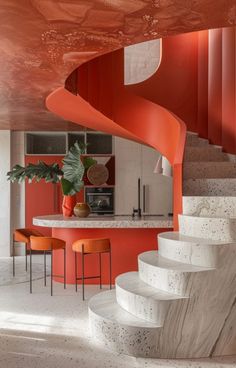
x: 142, y: 61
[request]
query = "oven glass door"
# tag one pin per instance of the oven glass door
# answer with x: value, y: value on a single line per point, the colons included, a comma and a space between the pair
x: 100, y: 203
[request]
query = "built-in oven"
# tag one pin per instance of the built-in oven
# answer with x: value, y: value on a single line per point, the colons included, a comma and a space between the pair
x: 100, y: 200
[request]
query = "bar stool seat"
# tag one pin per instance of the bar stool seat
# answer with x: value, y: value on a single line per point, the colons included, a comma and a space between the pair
x: 47, y: 245
x: 23, y: 236
x: 91, y: 246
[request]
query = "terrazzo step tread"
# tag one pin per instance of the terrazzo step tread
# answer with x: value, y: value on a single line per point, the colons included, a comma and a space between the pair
x: 131, y: 282
x: 211, y: 153
x: 187, y: 249
x: 152, y: 258
x: 210, y: 187
x: 205, y: 169
x: 194, y: 140
x: 175, y: 236
x: 105, y: 306
x: 217, y: 228
x: 220, y: 206
x: 142, y: 300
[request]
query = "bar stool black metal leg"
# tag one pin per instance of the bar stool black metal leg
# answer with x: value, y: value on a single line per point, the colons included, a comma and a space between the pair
x: 26, y: 266
x: 30, y: 271
x: 100, y: 269
x: 110, y: 270
x: 45, y: 269
x: 13, y: 258
x: 83, y: 270
x: 64, y: 268
x: 76, y: 288
x: 51, y: 272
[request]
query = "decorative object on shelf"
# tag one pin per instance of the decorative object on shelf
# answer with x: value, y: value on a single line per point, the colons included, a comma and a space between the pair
x: 82, y: 210
x: 70, y: 175
x: 98, y: 174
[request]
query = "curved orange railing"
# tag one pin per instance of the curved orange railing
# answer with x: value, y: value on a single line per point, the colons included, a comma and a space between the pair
x: 125, y: 115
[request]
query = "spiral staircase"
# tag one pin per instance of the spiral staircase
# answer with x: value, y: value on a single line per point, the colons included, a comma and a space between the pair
x: 182, y: 301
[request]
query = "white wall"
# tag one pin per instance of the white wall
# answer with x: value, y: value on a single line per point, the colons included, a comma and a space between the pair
x: 5, y: 193
x: 17, y: 190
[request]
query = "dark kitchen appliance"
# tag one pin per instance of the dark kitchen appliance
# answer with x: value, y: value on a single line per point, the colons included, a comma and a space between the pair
x: 100, y: 200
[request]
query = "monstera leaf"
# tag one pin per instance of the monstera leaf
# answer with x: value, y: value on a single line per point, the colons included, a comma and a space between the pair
x: 73, y: 171
x: 71, y: 174
x: 50, y: 173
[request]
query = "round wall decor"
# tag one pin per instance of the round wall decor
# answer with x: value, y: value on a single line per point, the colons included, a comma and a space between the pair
x: 98, y: 174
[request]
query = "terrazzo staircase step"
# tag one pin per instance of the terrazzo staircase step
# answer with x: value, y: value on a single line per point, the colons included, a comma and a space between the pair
x: 165, y: 274
x: 211, y: 153
x: 215, y: 228
x: 209, y: 206
x: 186, y: 249
x: 207, y: 153
x: 209, y: 187
x: 119, y: 330
x: 193, y: 140
x: 195, y: 170
x: 141, y: 299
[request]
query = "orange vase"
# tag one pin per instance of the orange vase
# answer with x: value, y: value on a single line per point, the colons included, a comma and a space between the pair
x: 68, y: 205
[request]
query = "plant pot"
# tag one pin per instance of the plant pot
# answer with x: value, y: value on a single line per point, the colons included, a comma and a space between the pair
x: 82, y: 210
x: 68, y: 205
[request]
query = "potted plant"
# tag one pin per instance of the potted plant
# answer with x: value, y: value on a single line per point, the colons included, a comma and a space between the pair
x: 70, y: 175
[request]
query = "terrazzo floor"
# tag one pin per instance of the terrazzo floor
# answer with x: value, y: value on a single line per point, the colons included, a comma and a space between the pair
x: 40, y: 331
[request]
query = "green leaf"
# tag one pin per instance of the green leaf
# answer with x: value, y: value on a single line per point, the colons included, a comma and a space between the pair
x: 73, y: 168
x: 71, y: 175
x: 51, y: 173
x: 67, y: 187
x: 88, y: 161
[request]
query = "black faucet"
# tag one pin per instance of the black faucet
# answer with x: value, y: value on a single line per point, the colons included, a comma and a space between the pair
x: 138, y: 210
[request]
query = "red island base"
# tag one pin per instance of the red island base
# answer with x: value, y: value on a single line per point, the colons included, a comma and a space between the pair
x: 126, y: 245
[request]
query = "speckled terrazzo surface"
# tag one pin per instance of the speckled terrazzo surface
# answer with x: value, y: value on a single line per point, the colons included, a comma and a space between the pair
x: 21, y: 276
x: 103, y: 222
x: 39, y: 331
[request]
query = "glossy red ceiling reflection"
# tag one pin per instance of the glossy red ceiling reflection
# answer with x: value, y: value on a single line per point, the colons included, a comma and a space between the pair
x: 42, y: 41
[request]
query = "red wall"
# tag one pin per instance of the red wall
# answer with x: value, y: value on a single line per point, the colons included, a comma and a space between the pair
x: 197, y: 81
x: 214, y: 85
x: 219, y: 64
x: 229, y: 89
x: 174, y: 85
x: 43, y: 198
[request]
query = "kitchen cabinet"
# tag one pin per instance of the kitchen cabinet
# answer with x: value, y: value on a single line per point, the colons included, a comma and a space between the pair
x: 46, y: 143
x: 134, y: 161
x: 128, y: 170
x: 75, y: 137
x: 98, y: 143
x: 59, y: 143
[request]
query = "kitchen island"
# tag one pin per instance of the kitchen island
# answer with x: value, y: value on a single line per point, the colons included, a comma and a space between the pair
x: 129, y: 237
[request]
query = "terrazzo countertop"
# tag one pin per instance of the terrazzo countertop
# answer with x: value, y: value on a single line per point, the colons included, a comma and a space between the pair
x: 146, y: 221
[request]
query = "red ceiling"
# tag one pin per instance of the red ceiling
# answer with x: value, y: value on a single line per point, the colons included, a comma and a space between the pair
x: 42, y: 41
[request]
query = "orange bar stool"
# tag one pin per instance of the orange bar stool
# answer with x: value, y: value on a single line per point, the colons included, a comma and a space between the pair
x: 91, y: 246
x: 47, y: 245
x: 23, y: 236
